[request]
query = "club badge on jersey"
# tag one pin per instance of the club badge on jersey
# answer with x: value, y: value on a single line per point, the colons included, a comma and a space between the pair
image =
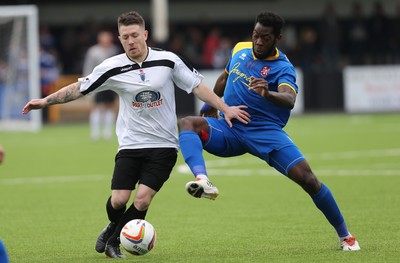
x: 264, y: 71
x: 142, y: 75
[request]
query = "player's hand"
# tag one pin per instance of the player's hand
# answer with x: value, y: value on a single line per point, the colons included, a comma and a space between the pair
x: 260, y: 86
x: 34, y: 105
x: 237, y: 112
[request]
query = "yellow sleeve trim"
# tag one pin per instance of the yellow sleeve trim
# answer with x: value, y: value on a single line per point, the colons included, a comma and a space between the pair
x: 287, y: 84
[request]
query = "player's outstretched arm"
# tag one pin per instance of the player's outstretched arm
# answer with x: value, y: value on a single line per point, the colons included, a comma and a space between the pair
x: 219, y: 89
x: 64, y: 95
x: 234, y: 112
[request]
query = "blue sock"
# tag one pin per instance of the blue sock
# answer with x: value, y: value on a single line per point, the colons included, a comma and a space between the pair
x: 326, y: 203
x: 192, y: 151
x: 3, y: 253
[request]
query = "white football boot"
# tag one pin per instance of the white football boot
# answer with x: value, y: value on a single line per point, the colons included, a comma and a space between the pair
x: 349, y: 244
x: 202, y: 188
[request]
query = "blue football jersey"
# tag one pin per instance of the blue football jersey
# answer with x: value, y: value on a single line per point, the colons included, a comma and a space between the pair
x: 277, y: 70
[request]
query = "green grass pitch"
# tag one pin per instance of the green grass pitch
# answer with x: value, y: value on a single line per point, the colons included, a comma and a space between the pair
x: 54, y: 185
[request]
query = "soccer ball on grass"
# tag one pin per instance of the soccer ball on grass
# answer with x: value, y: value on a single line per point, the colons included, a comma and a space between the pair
x: 138, y: 237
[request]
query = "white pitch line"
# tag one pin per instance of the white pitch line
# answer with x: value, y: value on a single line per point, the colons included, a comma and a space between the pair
x: 268, y: 171
x: 249, y: 159
x: 53, y: 179
x: 224, y: 166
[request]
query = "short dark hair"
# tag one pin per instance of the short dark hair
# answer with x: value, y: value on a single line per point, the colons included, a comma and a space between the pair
x: 131, y: 18
x: 272, y: 20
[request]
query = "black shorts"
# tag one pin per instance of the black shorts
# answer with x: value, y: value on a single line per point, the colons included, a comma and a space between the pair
x: 150, y: 167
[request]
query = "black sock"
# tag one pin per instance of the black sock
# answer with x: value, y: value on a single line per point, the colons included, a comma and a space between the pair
x: 114, y: 215
x: 130, y: 214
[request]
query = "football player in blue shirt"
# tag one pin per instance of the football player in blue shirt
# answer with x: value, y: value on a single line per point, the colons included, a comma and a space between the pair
x: 259, y: 76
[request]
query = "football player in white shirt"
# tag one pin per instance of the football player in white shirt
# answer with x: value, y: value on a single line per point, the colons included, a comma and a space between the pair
x: 144, y: 79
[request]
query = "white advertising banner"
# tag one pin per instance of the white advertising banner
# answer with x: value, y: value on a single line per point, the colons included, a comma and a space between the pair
x: 371, y: 88
x: 210, y: 76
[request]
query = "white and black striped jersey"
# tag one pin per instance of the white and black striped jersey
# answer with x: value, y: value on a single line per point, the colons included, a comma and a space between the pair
x: 147, y: 113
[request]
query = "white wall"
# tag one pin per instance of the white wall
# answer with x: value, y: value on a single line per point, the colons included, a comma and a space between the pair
x: 372, y: 88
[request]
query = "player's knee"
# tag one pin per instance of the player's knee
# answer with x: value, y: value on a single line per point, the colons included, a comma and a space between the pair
x: 185, y: 123
x: 142, y: 203
x: 311, y: 184
x: 119, y: 200
x: 303, y: 176
x: 118, y: 203
x: 195, y: 124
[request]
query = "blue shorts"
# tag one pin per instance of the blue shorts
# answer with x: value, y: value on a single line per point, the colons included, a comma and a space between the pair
x: 270, y: 143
